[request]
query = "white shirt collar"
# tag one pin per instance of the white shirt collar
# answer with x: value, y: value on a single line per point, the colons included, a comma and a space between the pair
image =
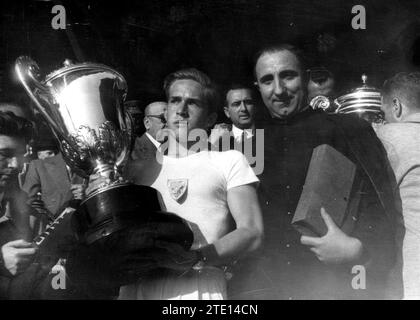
x: 415, y: 117
x: 237, y: 133
x: 154, y: 141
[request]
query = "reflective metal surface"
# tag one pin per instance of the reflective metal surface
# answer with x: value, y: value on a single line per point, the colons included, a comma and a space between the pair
x: 324, y: 103
x: 83, y: 104
x: 364, y: 101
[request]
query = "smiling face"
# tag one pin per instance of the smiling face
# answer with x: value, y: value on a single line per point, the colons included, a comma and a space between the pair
x: 240, y: 108
x: 12, y: 150
x: 187, y: 109
x: 281, y: 83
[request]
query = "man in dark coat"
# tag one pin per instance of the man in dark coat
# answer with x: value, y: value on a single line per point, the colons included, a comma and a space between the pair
x: 241, y: 108
x: 348, y: 262
x: 146, y: 145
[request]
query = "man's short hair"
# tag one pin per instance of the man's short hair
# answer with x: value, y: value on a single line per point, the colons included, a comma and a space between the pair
x: 14, y: 126
x: 210, y: 94
x: 18, y: 109
x: 239, y: 86
x: 405, y: 84
x: 302, y: 59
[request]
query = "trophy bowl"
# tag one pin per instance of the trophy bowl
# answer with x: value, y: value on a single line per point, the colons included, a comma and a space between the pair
x: 84, y: 106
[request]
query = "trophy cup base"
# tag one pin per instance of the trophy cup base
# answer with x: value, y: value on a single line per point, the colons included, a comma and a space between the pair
x: 125, y: 220
x: 125, y: 206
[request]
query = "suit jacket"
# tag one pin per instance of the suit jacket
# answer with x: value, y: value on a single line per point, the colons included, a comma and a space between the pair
x: 143, y: 149
x: 142, y: 159
x: 402, y: 142
x: 50, y: 177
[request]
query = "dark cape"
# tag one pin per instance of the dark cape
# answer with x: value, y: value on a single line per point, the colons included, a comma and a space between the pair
x: 286, y: 269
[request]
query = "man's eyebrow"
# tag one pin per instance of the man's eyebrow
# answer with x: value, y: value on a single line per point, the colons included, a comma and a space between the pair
x: 288, y: 72
x: 266, y: 77
x: 8, y: 151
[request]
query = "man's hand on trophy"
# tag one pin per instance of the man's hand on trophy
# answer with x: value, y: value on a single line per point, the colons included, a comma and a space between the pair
x: 175, y: 257
x: 336, y: 246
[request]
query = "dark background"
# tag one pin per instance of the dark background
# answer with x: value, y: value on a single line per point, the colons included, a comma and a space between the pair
x: 146, y: 40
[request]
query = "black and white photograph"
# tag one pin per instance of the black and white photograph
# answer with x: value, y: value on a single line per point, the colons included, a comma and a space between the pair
x: 235, y: 150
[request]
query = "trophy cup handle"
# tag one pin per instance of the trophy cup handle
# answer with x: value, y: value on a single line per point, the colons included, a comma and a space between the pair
x: 28, y: 73
x: 129, y: 139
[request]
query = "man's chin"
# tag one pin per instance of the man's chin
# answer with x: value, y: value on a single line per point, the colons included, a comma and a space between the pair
x: 283, y: 113
x: 245, y: 124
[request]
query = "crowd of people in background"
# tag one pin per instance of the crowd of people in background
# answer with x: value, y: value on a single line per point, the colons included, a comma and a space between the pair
x: 245, y: 246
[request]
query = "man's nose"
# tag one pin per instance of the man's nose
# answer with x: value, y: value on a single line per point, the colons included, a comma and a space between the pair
x: 182, y: 110
x: 278, y: 87
x: 242, y: 107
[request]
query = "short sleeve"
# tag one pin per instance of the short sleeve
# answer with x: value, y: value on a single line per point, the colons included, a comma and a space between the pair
x: 237, y: 170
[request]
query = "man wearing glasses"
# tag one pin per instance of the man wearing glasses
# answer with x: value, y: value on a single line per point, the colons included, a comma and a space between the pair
x: 145, y: 146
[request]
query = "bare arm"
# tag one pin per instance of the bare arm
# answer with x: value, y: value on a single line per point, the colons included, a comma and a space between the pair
x: 248, y: 235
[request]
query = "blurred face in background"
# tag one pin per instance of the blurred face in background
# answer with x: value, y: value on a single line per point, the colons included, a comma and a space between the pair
x: 12, y: 150
x: 321, y: 83
x: 154, y: 119
x: 43, y: 154
x: 240, y: 108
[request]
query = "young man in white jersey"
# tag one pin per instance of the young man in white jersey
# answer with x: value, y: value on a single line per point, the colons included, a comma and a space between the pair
x: 215, y: 192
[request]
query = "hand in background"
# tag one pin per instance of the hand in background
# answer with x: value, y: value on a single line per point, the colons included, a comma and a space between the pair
x: 79, y: 191
x: 17, y: 255
x: 219, y: 131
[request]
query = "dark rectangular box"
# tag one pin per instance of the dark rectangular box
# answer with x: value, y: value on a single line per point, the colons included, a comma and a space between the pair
x: 328, y: 184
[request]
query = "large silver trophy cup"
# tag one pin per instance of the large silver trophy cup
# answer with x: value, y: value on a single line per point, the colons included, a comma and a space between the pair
x: 83, y: 105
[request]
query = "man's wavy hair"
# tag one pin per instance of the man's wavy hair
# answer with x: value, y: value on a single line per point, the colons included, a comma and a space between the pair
x: 14, y: 126
x: 210, y: 93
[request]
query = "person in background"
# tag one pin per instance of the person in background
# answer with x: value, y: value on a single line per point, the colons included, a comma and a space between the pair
x: 321, y: 83
x: 401, y: 138
x: 17, y: 252
x: 146, y: 145
x: 23, y: 112
x: 241, y: 108
x: 49, y: 182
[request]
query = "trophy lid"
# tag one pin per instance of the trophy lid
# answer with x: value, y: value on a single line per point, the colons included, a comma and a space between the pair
x: 361, y: 100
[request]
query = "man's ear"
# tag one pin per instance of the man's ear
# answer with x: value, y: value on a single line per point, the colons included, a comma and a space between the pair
x: 165, y: 115
x: 146, y: 123
x: 396, y: 108
x: 211, y: 119
x: 226, y: 110
x: 256, y: 85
